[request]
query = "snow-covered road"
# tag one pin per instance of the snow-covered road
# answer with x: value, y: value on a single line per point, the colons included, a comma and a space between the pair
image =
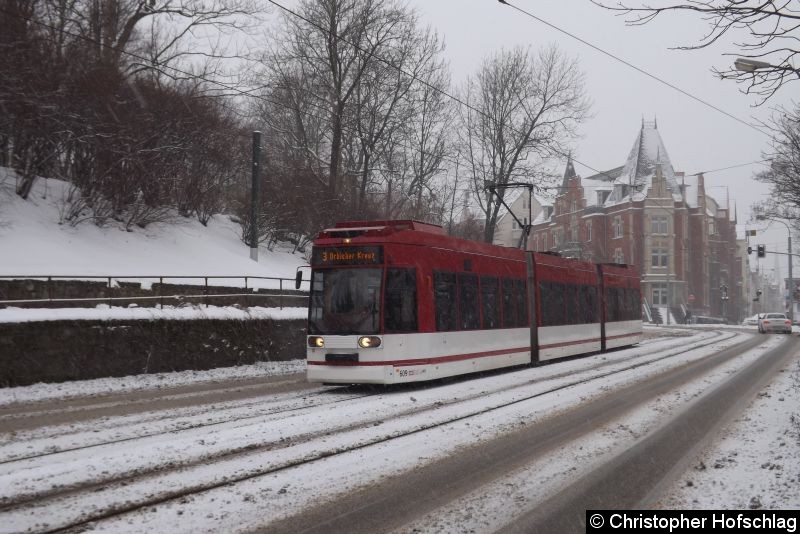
x: 257, y: 462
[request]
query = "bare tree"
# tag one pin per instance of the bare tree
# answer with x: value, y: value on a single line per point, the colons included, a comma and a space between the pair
x: 331, y: 44
x: 350, y: 83
x: 72, y: 72
x: 771, y: 37
x: 428, y: 136
x: 783, y: 175
x: 523, y: 109
x: 398, y: 104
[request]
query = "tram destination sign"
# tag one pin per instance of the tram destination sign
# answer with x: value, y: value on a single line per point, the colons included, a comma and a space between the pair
x: 323, y: 256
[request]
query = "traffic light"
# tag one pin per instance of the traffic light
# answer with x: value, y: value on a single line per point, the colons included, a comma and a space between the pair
x: 762, y: 251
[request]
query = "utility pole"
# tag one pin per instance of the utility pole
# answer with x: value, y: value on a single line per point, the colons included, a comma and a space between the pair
x: 791, y: 279
x: 254, y: 196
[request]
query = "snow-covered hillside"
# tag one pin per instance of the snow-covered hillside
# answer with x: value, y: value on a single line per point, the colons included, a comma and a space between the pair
x: 32, y: 242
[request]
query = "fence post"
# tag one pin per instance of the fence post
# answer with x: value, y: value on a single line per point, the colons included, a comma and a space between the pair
x: 205, y: 291
x: 161, y: 291
x: 109, y: 292
x: 246, y: 294
x: 280, y: 295
x: 49, y: 291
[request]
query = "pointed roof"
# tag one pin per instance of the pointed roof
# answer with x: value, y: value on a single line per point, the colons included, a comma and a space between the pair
x: 647, y: 152
x: 569, y: 173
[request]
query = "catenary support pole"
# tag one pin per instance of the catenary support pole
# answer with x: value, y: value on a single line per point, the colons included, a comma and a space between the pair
x: 254, y: 197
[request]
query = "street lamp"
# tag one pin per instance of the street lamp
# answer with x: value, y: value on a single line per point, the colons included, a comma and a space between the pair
x: 791, y: 280
x: 751, y: 65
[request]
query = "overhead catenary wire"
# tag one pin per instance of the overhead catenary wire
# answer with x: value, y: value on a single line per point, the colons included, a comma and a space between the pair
x: 634, y: 67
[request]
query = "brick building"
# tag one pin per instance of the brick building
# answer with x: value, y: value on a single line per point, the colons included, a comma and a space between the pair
x: 645, y: 213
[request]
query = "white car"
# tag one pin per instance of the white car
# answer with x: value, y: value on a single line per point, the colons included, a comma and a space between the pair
x: 751, y: 321
x: 774, y: 322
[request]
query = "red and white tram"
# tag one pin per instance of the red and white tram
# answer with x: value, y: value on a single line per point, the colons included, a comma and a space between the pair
x: 400, y: 301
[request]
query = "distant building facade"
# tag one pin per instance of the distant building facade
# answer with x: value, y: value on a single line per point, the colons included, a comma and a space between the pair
x: 646, y: 214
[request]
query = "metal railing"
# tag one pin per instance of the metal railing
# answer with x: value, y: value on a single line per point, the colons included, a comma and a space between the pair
x: 135, y: 283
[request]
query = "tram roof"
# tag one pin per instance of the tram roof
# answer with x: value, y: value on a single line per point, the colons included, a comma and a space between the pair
x: 413, y: 232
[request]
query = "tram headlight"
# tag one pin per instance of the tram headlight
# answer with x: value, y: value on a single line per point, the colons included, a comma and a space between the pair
x: 316, y: 342
x: 369, y: 342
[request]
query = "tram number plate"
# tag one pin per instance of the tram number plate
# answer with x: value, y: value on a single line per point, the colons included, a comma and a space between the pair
x: 406, y: 373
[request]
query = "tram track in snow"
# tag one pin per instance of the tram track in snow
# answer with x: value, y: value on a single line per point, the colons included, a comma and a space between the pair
x: 46, y: 443
x: 47, y: 448
x: 132, y: 484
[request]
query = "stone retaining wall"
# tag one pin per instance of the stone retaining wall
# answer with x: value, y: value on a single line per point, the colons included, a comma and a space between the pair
x: 57, y: 351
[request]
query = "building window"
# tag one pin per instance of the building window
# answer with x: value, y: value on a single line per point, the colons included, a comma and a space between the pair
x: 659, y: 257
x: 619, y: 257
x: 602, y: 196
x: 573, y: 234
x: 589, y: 231
x: 659, y: 294
x: 574, y: 206
x: 712, y: 227
x: 556, y: 238
x: 659, y: 225
x: 616, y: 226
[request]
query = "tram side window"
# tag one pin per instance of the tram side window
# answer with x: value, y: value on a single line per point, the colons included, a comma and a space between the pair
x: 571, y: 304
x: 614, y: 309
x: 633, y: 305
x: 636, y: 298
x: 468, y: 301
x: 611, y: 307
x: 400, y: 314
x: 625, y: 299
x: 588, y: 304
x: 522, y: 302
x: 509, y: 315
x: 317, y: 296
x: 445, y: 297
x: 490, y: 305
x: 552, y: 297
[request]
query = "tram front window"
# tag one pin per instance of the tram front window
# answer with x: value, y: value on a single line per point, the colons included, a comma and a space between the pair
x: 345, y: 301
